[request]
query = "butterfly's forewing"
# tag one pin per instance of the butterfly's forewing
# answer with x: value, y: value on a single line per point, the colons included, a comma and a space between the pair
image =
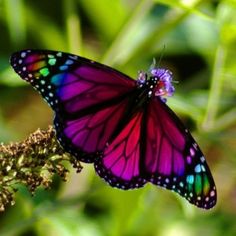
x: 70, y: 83
x: 84, y: 95
x: 174, y: 160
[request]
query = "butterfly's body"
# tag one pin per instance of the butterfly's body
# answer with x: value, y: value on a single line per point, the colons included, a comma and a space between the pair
x: 121, y: 125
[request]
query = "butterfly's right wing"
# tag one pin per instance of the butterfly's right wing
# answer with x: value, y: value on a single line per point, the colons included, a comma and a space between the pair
x: 88, y: 98
x: 173, y: 159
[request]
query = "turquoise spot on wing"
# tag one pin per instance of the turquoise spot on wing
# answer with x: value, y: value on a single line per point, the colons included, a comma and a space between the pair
x: 190, y: 182
x: 44, y: 72
x: 190, y: 179
x: 58, y: 79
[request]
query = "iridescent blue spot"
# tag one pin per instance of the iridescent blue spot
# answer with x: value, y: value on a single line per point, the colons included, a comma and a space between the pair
x: 64, y: 67
x: 57, y: 79
x: 198, y: 168
x: 69, y: 62
x: 190, y: 179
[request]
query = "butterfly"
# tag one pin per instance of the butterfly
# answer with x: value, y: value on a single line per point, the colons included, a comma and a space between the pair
x: 123, y: 126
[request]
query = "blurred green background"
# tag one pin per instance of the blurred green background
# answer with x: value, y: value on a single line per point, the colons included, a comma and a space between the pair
x: 198, y: 43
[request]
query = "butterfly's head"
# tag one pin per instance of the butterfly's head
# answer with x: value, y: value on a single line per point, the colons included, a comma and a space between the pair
x: 164, y: 85
x: 158, y: 82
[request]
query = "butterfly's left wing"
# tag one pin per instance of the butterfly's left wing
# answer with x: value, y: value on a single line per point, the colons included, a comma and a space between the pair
x: 89, y: 99
x: 173, y: 159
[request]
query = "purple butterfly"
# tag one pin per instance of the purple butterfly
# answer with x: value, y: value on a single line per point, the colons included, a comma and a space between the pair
x: 121, y: 125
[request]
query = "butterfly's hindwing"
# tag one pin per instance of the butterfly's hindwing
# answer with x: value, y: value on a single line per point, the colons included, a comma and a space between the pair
x: 87, y: 136
x: 174, y: 160
x: 120, y: 162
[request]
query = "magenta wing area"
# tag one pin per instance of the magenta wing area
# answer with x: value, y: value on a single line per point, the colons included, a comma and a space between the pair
x: 174, y: 160
x: 120, y: 165
x: 155, y: 147
x: 103, y: 117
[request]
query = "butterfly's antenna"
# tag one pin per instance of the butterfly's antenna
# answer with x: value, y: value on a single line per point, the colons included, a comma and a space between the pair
x: 153, y: 65
x: 156, y: 64
x: 161, y: 56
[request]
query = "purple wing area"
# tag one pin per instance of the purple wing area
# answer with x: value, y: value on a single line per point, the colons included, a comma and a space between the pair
x: 70, y: 83
x: 120, y: 165
x: 87, y: 86
x: 173, y: 159
x: 88, y: 98
x: 86, y: 136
